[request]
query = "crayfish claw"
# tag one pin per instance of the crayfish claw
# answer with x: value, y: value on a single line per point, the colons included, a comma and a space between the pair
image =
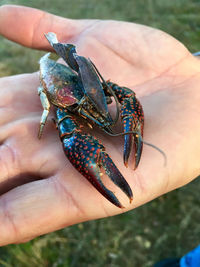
x: 115, y: 175
x: 138, y: 144
x: 95, y: 180
x: 88, y: 156
x: 133, y: 128
x: 135, y: 139
x: 128, y: 140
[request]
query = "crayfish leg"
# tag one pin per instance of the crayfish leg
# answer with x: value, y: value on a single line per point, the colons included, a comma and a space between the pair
x: 46, y: 107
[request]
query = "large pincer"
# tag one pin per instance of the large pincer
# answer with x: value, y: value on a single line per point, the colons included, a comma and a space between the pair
x: 88, y: 156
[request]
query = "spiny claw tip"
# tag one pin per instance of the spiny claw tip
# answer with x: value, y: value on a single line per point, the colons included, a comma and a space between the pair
x: 126, y: 164
x: 125, y: 160
x: 120, y: 206
x: 137, y: 158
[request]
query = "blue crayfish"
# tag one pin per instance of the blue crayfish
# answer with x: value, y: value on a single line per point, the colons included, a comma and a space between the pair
x: 79, y: 91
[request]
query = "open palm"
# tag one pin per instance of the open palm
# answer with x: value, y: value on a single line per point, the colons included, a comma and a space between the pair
x: 40, y: 190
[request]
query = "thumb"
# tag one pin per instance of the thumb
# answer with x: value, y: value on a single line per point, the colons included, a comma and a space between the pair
x: 27, y: 26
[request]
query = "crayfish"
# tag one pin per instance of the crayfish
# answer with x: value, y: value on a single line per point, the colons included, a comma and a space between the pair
x: 79, y: 91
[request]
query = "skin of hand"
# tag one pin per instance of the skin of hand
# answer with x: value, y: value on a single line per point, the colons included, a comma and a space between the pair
x: 40, y: 190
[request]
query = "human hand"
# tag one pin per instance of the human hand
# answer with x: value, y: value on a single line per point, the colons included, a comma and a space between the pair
x: 40, y: 190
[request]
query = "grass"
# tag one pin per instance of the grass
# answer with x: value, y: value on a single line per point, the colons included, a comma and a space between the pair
x: 166, y: 227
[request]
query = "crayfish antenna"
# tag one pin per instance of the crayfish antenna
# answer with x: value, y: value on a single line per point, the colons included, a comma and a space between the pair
x: 158, y: 149
x: 140, y: 142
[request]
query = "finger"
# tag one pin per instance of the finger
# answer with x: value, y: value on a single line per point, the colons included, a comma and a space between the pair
x: 51, y: 204
x: 17, y: 91
x: 9, y: 165
x: 40, y: 207
x: 22, y: 152
x: 26, y: 211
x: 27, y: 26
x: 19, y: 98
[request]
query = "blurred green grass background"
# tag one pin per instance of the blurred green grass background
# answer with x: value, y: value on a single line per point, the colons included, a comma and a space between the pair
x: 166, y: 227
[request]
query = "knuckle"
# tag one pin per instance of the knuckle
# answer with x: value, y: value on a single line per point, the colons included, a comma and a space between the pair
x: 8, y: 160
